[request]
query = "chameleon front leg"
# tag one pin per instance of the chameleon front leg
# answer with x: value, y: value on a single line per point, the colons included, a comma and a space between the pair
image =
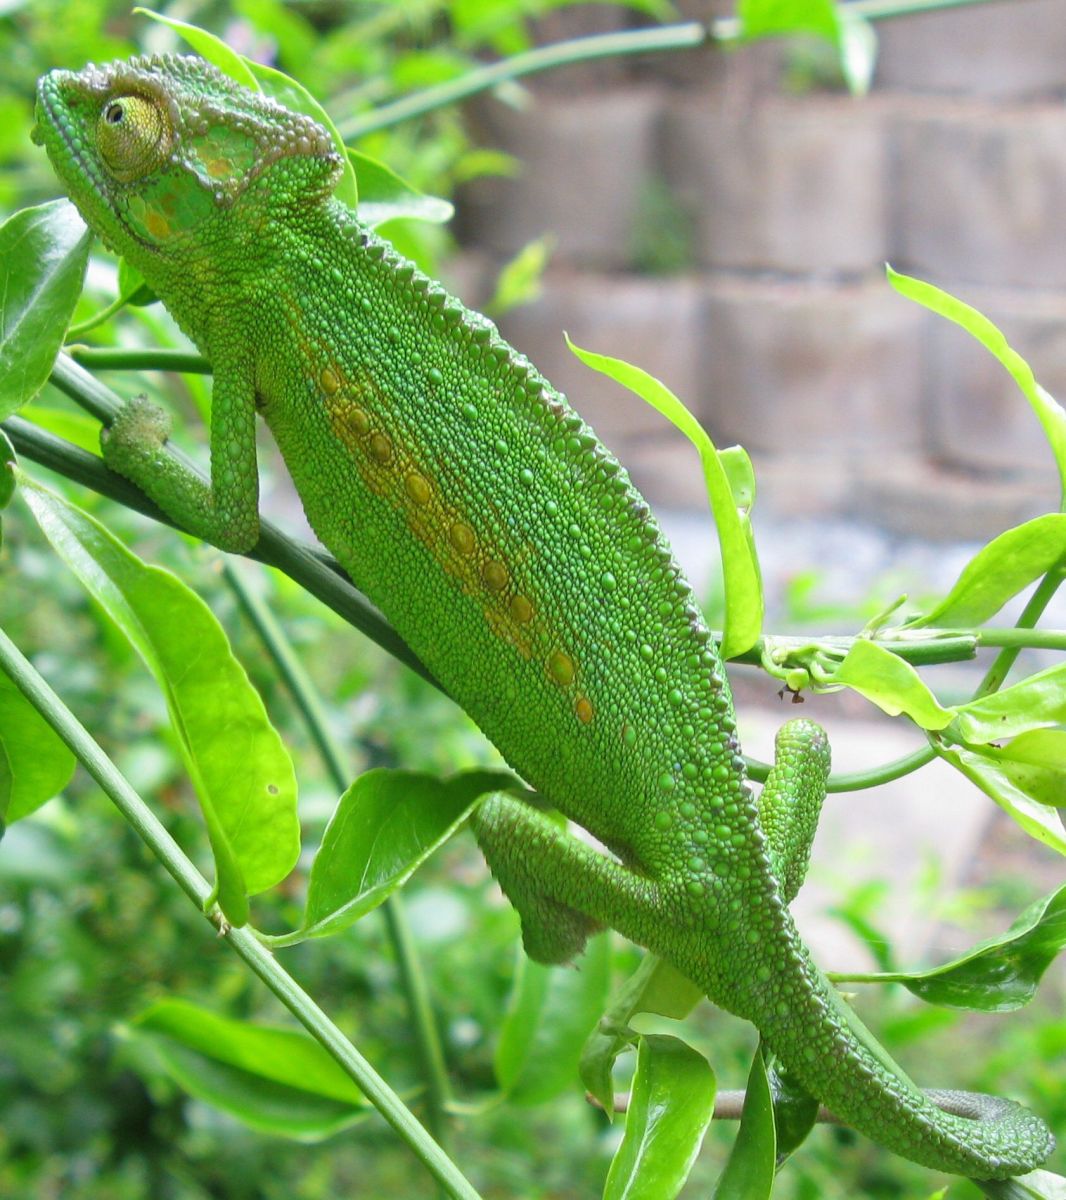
x: 791, y: 801
x: 563, y: 889
x: 226, y: 512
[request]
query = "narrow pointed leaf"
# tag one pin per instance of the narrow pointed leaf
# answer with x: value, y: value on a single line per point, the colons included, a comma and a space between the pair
x: 276, y: 1080
x: 239, y: 766
x: 795, y: 1111
x: 890, y: 683
x: 740, y: 566
x: 999, y: 571
x: 1049, y: 413
x: 384, y: 827
x: 34, y: 764
x: 1037, y: 1185
x: 749, y: 1173
x: 670, y: 1107
x: 551, y: 1012
x: 43, y: 254
x: 214, y: 49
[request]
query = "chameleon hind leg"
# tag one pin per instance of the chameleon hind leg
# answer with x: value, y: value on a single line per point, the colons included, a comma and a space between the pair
x: 563, y: 889
x: 791, y: 801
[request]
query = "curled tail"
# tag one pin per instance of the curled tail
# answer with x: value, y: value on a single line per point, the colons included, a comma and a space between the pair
x: 825, y: 1045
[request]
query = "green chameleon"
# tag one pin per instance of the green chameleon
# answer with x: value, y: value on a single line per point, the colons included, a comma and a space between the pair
x: 466, y: 498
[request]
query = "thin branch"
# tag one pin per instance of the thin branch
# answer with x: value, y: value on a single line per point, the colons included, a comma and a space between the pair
x: 311, y: 708
x: 243, y: 941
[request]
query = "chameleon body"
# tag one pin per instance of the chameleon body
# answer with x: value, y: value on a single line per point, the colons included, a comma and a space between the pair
x: 466, y: 498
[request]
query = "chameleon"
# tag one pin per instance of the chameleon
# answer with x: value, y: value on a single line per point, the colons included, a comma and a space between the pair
x: 466, y: 498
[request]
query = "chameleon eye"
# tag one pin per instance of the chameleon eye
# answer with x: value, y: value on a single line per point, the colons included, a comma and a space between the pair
x: 133, y: 137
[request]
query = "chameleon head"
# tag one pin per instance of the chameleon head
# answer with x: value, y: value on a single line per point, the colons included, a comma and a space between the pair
x: 154, y: 150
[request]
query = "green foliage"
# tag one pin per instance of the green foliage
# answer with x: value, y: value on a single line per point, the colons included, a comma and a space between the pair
x: 128, y: 1105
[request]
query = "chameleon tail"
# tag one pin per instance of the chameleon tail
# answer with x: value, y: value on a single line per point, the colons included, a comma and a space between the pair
x: 851, y: 1073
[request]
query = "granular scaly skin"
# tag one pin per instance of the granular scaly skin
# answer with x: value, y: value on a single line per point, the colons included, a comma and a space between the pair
x: 467, y: 499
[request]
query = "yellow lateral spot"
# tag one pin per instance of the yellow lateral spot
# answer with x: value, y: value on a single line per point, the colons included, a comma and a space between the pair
x: 495, y: 575
x: 219, y: 168
x: 561, y: 668
x: 358, y: 420
x: 521, y: 609
x: 461, y: 537
x: 329, y: 380
x: 157, y: 225
x: 418, y: 488
x: 380, y: 448
x: 583, y: 708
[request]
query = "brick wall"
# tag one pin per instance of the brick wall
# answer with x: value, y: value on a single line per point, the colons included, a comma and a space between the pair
x: 778, y: 329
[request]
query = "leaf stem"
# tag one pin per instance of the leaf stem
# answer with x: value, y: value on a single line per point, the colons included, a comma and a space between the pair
x: 243, y: 941
x: 106, y: 359
x: 1032, y: 613
x: 858, y: 781
x: 310, y: 706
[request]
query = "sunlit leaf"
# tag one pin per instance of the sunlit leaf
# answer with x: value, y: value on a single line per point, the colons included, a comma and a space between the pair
x: 43, y: 255
x: 1037, y: 702
x: 384, y: 827
x: 1000, y: 570
x: 385, y: 196
x: 34, y: 764
x: 212, y: 48
x: 740, y: 566
x: 519, y: 281
x: 1037, y: 1185
x: 670, y: 1107
x: 238, y: 764
x: 549, y: 1017
x: 1000, y: 778
x: 1049, y: 413
x: 890, y: 683
x: 749, y: 1173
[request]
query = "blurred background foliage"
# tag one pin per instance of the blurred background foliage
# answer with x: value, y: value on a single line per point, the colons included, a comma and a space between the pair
x: 92, y: 931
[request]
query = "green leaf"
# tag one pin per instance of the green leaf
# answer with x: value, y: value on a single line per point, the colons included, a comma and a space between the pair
x: 519, y: 281
x: 285, y: 90
x: 740, y: 565
x: 655, y: 987
x: 76, y: 427
x: 550, y: 1014
x: 670, y: 1107
x: 890, y: 683
x: 1050, y: 414
x: 999, y: 571
x: 857, y: 46
x: 771, y: 18
x: 999, y: 974
x: 214, y: 49
x: 34, y: 764
x: 1035, y: 703
x: 132, y: 287
x: 276, y: 1080
x: 8, y: 462
x: 384, y: 827
x: 238, y: 764
x: 1001, y: 779
x: 749, y: 1173
x: 43, y: 254
x: 1037, y: 1185
x: 385, y: 196
x: 795, y: 1110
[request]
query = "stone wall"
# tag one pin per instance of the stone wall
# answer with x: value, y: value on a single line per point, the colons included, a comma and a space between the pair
x: 778, y: 328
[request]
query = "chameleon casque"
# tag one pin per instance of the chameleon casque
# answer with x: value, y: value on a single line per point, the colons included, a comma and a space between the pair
x: 466, y: 498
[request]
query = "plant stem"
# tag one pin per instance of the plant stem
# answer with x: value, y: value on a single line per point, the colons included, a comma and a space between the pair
x: 1032, y: 613
x: 243, y: 941
x: 689, y: 35
x: 412, y: 977
x: 139, y: 360
x: 858, y: 781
